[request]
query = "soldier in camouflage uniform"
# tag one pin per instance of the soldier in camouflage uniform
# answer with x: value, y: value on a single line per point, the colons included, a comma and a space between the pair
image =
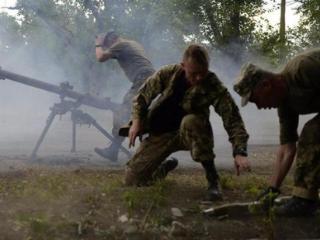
x: 179, y: 120
x: 137, y: 68
x: 294, y: 91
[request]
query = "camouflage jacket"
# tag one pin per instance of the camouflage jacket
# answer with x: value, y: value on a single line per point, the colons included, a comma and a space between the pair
x: 197, y: 100
x: 302, y: 74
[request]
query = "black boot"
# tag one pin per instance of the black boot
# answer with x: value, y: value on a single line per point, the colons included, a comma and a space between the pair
x: 165, y: 167
x: 297, y: 207
x: 214, y: 190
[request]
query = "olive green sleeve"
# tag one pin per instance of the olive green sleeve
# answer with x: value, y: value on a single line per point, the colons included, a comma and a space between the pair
x: 225, y: 106
x: 288, y: 125
x: 153, y: 86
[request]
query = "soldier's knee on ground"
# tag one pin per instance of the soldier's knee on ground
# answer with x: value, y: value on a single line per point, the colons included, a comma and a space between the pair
x: 133, y: 178
x: 130, y: 178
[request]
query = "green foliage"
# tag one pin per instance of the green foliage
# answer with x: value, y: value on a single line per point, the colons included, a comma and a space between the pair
x: 253, y: 184
x: 222, y: 25
x: 228, y: 182
x: 308, y: 32
x: 64, y: 32
x: 10, y: 34
x: 250, y: 185
x: 144, y: 198
x: 40, y: 226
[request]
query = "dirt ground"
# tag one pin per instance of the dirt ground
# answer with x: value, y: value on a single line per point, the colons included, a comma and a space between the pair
x: 77, y: 196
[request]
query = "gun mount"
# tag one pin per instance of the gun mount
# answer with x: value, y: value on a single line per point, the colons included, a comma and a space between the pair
x: 76, y: 99
x: 64, y: 90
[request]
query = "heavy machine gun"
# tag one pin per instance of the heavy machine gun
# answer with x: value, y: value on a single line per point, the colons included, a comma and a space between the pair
x: 70, y: 101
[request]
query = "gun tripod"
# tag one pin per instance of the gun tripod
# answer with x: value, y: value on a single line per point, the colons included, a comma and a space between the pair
x: 78, y: 117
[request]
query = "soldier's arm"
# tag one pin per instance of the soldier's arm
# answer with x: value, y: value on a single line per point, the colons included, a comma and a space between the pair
x: 152, y: 87
x: 284, y: 160
x: 288, y: 121
x: 225, y: 106
x: 287, y: 149
x: 103, y: 55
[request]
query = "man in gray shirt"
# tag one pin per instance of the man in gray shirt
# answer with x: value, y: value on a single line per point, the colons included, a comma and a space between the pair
x: 131, y: 57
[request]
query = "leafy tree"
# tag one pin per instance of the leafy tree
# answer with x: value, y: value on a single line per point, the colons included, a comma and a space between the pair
x: 10, y: 34
x: 224, y: 24
x: 308, y: 32
x: 66, y: 30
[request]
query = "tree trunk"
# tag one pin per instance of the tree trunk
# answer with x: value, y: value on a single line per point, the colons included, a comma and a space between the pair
x: 282, y: 33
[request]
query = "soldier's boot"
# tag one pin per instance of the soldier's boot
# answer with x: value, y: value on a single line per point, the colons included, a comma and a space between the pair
x: 297, y: 207
x: 110, y: 152
x: 214, y: 189
x: 165, y: 167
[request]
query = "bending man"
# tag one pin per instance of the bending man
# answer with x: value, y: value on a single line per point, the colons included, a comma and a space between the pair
x: 179, y: 120
x: 294, y: 91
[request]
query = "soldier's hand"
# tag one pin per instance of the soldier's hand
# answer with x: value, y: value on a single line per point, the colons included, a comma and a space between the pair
x: 267, y: 197
x: 134, y: 131
x: 241, y: 164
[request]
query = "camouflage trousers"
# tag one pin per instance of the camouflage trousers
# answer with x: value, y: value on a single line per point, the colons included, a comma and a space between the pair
x: 122, y: 116
x: 195, y: 134
x: 307, y: 173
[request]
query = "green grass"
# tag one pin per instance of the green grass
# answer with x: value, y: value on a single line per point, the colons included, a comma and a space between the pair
x: 138, y: 197
x: 86, y: 204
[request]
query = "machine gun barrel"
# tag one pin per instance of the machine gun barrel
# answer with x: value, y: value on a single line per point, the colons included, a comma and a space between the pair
x: 65, y: 90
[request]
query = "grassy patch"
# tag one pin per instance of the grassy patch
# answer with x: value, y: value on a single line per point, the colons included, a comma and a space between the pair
x: 137, y: 199
x: 41, y: 226
x: 87, y: 204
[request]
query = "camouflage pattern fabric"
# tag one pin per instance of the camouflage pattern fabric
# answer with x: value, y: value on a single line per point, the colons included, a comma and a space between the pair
x: 302, y: 74
x: 249, y: 77
x: 195, y: 134
x: 197, y: 100
x: 307, y: 173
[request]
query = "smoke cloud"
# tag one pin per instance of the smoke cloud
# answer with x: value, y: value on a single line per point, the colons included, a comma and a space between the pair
x: 24, y: 109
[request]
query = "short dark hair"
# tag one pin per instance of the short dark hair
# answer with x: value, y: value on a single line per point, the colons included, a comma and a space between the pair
x: 197, y: 53
x: 110, y: 36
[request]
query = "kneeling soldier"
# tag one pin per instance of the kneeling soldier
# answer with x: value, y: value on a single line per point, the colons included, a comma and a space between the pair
x: 178, y: 119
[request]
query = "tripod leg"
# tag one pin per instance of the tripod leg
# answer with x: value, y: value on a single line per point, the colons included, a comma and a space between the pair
x: 74, y: 136
x: 43, y: 134
x: 90, y: 120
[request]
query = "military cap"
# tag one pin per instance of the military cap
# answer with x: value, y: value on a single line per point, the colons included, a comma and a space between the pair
x: 250, y: 75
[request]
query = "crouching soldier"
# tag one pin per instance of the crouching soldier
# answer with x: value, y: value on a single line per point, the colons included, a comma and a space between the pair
x: 178, y: 119
x: 294, y: 91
